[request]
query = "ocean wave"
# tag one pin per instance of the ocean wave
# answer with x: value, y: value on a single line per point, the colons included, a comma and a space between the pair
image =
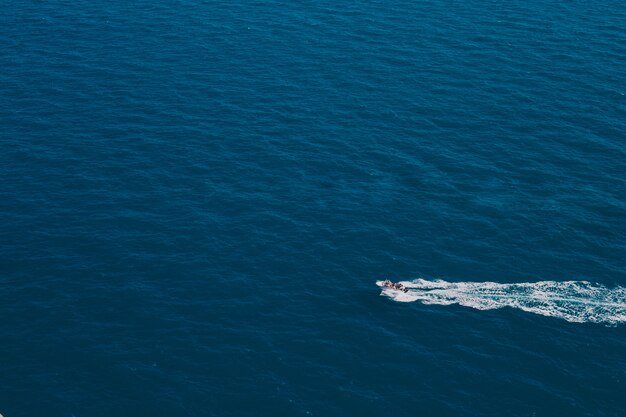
x: 574, y: 301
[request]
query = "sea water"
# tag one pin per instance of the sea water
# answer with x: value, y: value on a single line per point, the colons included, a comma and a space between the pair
x: 198, y: 197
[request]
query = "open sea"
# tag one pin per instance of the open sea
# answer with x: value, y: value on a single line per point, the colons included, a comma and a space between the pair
x: 197, y: 199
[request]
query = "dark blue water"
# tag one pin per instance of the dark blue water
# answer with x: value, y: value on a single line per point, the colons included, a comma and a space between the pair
x: 196, y: 199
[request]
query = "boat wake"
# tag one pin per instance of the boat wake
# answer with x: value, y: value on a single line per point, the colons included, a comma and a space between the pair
x: 574, y: 301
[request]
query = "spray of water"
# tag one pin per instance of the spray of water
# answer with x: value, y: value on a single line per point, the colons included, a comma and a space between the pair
x: 574, y: 301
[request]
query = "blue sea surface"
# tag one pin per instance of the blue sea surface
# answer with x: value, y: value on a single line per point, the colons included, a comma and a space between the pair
x: 198, y: 197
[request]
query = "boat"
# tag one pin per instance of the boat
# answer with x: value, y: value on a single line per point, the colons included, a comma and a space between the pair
x: 392, y: 285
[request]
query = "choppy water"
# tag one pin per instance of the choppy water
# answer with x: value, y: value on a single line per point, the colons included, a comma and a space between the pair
x: 575, y: 301
x: 197, y: 198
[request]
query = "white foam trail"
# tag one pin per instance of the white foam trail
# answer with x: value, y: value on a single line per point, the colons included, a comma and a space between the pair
x: 574, y: 301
